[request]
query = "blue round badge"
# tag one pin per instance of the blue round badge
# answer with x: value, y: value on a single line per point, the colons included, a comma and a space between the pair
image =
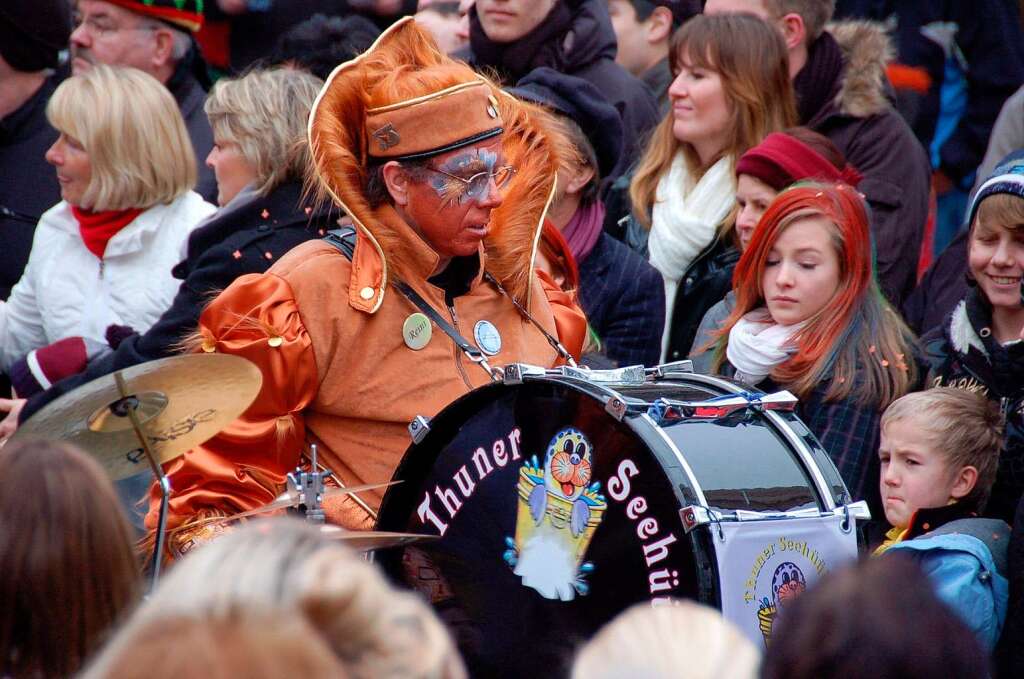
x: 487, y: 337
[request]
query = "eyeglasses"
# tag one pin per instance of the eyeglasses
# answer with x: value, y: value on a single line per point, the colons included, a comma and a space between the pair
x: 477, y: 186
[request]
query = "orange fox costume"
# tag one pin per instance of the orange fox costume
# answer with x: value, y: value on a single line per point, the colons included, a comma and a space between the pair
x: 327, y: 333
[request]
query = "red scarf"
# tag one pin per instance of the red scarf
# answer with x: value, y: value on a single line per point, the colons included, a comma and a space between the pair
x: 97, y: 228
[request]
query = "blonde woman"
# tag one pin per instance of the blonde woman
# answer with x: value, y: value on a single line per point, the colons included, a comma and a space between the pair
x: 284, y: 567
x: 684, y: 640
x: 101, y: 259
x: 731, y: 89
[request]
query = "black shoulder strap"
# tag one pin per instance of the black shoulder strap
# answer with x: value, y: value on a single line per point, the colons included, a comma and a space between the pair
x: 344, y: 239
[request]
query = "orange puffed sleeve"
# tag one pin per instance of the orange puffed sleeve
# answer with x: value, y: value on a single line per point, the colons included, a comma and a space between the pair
x: 241, y: 468
x: 570, y: 321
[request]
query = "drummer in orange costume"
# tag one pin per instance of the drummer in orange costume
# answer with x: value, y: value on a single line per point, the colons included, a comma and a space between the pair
x: 447, y: 181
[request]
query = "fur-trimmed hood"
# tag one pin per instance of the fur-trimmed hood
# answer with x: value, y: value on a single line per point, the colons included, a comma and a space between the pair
x: 867, y: 49
x: 338, y: 143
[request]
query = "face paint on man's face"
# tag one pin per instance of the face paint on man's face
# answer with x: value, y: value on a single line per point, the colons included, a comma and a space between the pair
x: 465, y: 165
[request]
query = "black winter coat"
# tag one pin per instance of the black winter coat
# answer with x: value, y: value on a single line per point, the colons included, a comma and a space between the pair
x: 705, y: 284
x: 28, y: 184
x: 624, y: 299
x: 577, y: 39
x: 856, y: 113
x: 191, y: 96
x: 238, y: 240
x: 963, y: 354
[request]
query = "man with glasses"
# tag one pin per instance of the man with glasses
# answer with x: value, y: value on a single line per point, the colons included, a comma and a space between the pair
x: 446, y: 180
x: 154, y: 36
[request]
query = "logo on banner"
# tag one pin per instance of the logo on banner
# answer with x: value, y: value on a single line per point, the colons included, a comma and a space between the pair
x: 788, y: 582
x: 558, y: 511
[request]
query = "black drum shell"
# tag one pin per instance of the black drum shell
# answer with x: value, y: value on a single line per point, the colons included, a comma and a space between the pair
x: 506, y: 628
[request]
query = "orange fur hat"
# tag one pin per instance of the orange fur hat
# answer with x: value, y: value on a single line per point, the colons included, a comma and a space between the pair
x: 403, y: 98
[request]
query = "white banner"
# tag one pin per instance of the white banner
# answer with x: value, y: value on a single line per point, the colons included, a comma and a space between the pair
x: 763, y: 564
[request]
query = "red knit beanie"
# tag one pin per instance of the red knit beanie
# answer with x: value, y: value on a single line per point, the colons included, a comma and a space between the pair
x: 781, y: 160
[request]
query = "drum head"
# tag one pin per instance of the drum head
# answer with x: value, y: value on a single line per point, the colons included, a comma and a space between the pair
x: 554, y: 518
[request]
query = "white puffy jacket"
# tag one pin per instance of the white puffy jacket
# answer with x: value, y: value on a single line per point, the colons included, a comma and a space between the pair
x: 66, y: 291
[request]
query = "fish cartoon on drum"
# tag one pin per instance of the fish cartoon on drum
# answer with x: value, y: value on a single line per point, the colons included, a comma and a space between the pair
x: 788, y: 582
x: 559, y: 510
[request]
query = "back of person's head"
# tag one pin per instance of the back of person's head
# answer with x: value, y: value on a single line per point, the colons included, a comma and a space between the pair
x: 879, y: 619
x: 812, y: 14
x: 751, y: 60
x: 682, y: 10
x: 251, y: 645
x: 68, y: 572
x: 32, y: 34
x: 265, y: 113
x: 815, y: 13
x: 963, y: 426
x: 131, y: 128
x: 285, y: 565
x: 320, y: 43
x: 682, y: 639
x: 856, y: 340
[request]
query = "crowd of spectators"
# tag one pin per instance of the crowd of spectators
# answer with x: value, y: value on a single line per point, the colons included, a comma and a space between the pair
x: 819, y: 196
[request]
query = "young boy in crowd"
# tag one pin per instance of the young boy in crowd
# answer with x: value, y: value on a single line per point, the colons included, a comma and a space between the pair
x: 939, y: 452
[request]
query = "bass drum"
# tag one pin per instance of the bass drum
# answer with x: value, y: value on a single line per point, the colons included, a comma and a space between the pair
x: 560, y: 500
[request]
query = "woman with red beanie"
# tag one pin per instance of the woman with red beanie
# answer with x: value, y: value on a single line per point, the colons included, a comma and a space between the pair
x: 783, y: 158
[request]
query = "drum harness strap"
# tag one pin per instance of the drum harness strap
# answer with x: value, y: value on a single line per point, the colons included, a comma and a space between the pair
x: 344, y: 239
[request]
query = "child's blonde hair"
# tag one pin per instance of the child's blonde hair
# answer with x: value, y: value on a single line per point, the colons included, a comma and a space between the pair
x: 963, y: 426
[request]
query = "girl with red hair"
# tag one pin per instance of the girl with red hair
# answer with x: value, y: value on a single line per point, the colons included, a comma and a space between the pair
x: 810, y: 318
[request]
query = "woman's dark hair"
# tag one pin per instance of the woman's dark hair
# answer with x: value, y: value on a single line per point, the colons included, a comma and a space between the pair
x: 68, y: 572
x: 879, y: 619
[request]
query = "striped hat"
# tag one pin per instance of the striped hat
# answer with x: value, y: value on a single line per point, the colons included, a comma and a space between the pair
x: 1008, y: 177
x: 185, y: 14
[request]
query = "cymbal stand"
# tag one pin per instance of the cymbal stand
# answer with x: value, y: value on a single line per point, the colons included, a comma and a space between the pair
x: 127, y: 406
x: 309, y: 487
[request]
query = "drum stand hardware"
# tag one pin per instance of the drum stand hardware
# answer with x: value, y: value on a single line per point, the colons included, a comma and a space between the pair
x: 515, y: 373
x: 308, y: 488
x: 419, y: 428
x: 128, y: 406
x: 720, y: 406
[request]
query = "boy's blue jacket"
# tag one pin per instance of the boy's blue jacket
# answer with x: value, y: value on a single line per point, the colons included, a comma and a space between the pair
x: 966, y: 563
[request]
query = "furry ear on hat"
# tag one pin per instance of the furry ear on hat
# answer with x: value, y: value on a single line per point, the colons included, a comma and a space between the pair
x: 32, y: 33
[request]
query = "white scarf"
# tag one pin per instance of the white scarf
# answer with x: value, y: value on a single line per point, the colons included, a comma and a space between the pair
x: 683, y: 222
x: 757, y: 344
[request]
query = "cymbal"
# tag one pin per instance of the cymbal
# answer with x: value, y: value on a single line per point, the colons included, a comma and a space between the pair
x: 181, y: 402
x: 369, y: 540
x: 290, y: 499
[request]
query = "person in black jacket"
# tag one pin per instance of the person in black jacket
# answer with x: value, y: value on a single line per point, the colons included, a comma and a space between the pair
x: 259, y: 125
x: 31, y: 37
x: 620, y: 292
x: 979, y: 346
x: 574, y: 37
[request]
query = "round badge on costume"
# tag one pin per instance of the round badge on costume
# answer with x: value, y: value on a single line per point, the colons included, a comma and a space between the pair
x: 487, y: 337
x: 416, y: 330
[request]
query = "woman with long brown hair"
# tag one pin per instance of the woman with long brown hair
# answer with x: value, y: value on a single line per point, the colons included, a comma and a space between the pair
x: 810, y: 318
x: 68, y: 572
x: 731, y: 89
